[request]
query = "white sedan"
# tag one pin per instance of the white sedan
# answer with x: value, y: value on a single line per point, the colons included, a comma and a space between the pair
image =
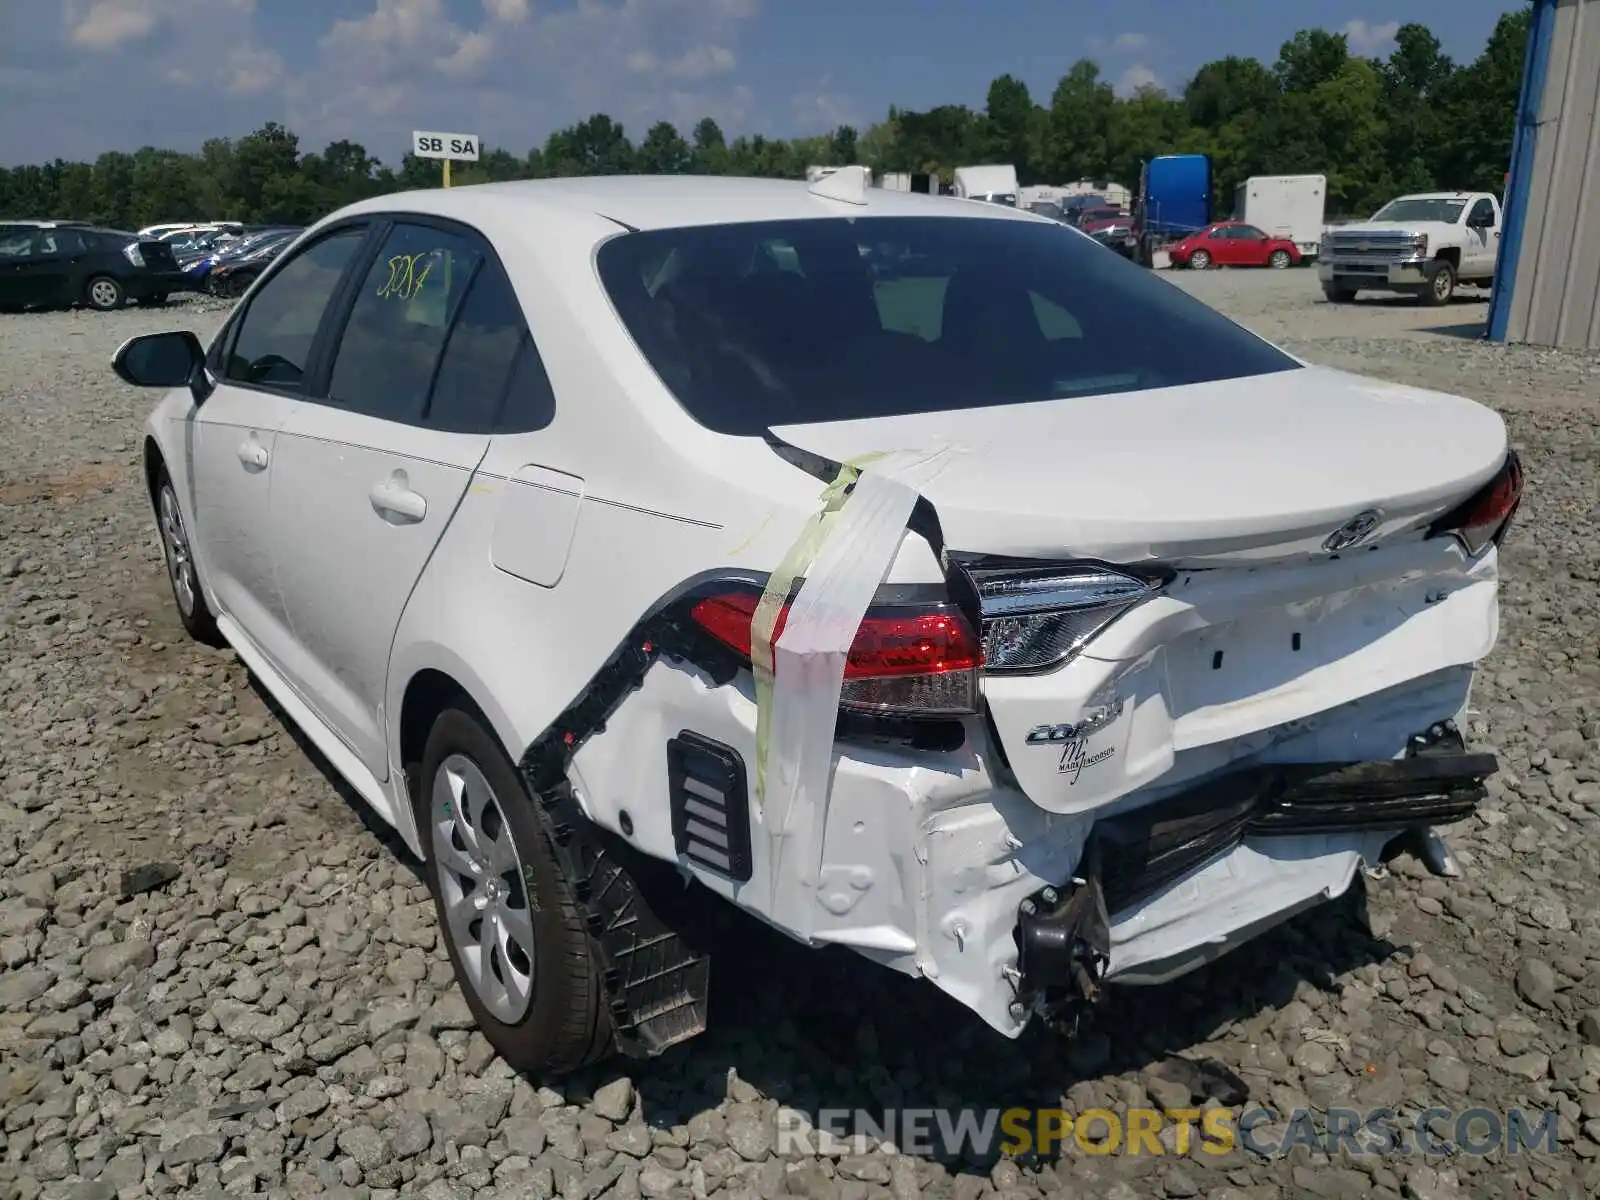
x: 911, y: 574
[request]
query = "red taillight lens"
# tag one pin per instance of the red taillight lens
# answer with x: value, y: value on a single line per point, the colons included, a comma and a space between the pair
x: 907, y: 661
x: 1487, y: 515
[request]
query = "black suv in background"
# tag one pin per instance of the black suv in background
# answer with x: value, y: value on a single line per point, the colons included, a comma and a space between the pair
x: 56, y: 265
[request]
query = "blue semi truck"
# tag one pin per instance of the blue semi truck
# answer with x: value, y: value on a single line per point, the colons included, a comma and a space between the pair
x: 1173, y: 201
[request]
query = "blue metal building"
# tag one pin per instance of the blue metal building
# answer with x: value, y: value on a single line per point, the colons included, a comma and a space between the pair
x: 1547, y: 284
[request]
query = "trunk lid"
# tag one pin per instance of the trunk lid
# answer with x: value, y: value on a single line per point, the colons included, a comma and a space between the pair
x: 1240, y: 469
x: 157, y: 255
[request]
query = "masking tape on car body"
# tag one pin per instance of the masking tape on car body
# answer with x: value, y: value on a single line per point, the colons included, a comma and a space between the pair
x: 845, y: 552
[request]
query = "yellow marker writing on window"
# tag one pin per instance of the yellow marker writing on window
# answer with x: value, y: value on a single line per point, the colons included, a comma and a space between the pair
x: 405, y: 279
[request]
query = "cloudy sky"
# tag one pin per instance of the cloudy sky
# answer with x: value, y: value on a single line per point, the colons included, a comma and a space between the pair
x: 78, y: 77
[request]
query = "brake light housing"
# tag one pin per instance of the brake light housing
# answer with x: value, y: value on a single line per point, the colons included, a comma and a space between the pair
x: 1485, y: 517
x: 916, y: 660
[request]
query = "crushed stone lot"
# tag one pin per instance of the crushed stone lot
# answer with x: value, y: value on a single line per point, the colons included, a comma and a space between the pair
x: 219, y: 977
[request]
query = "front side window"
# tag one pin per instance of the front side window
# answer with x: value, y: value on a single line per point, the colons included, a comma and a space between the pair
x: 272, y: 346
x: 385, y: 362
x: 878, y: 316
x: 1482, y: 213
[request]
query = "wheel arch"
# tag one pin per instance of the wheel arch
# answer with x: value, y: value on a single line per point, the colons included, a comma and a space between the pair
x: 428, y: 690
x: 154, y: 461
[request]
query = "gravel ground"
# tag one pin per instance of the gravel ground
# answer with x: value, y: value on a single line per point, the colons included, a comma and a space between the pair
x: 267, y: 1009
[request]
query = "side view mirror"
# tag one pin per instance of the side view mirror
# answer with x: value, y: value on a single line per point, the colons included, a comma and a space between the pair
x: 160, y: 360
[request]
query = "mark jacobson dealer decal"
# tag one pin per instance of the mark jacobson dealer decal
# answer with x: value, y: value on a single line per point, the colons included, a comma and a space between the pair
x: 1075, y: 758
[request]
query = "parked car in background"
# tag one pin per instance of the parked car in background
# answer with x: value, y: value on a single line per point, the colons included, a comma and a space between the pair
x: 503, y: 492
x: 233, y: 275
x: 1118, y: 236
x: 1233, y: 244
x: 59, y: 265
x: 1090, y: 219
x: 171, y: 227
x: 197, y: 271
x: 189, y: 247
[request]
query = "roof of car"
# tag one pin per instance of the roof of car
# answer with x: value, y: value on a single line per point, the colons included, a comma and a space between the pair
x: 667, y: 201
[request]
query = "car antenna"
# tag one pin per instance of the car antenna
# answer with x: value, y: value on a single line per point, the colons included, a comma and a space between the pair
x: 846, y: 184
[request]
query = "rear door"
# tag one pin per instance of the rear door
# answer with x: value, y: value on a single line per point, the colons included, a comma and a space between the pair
x: 369, y: 475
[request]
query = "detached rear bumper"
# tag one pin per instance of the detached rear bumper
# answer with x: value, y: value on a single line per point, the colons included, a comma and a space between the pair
x: 1190, y: 877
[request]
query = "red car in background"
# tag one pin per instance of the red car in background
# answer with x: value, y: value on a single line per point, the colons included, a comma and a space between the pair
x: 1234, y: 244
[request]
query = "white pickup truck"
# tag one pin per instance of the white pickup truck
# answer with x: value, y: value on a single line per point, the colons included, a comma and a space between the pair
x: 1424, y: 245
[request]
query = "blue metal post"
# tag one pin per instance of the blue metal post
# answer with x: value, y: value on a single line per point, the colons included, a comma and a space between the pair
x: 1536, y: 60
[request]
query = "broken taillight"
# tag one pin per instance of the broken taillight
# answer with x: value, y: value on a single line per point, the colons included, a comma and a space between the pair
x: 917, y: 660
x: 1486, y: 516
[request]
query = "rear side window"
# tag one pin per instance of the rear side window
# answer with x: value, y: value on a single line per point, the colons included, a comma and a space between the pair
x: 273, y: 342
x: 777, y: 323
x: 479, y: 357
x: 385, y: 362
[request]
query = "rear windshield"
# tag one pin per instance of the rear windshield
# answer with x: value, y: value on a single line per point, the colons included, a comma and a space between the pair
x: 794, y: 322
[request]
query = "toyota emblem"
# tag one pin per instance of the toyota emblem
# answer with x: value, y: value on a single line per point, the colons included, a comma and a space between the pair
x: 1354, y: 531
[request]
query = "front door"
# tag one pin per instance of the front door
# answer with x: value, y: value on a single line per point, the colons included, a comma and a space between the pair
x: 44, y: 273
x: 15, y: 245
x: 260, y: 366
x: 364, y: 486
x: 1482, y: 244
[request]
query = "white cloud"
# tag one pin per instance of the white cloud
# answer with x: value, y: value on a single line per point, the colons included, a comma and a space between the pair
x: 822, y: 109
x: 1122, y: 43
x: 511, y: 12
x: 1367, y: 39
x: 111, y: 23
x: 1136, y: 77
x: 187, y: 70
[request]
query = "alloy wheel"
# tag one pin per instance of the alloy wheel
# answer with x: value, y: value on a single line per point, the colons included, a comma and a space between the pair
x: 1200, y: 260
x: 481, y: 881
x: 103, y: 293
x: 180, y: 561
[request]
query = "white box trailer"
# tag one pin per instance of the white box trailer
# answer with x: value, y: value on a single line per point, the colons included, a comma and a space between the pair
x: 992, y: 182
x: 1286, y: 206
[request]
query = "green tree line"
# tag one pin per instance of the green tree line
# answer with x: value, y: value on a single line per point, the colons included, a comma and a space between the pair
x: 1376, y: 127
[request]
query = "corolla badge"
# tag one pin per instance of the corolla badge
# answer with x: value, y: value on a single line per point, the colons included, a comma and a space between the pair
x: 1354, y: 531
x: 1095, y: 718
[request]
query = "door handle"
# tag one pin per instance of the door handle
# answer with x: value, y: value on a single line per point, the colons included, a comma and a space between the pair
x: 395, y: 502
x: 253, y: 454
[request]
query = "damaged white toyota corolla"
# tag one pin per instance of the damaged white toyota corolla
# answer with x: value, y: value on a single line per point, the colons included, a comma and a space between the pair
x: 914, y: 574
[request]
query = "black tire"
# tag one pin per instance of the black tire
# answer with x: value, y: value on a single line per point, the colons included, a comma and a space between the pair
x: 1338, y: 295
x: 566, y: 1024
x: 1200, y: 260
x: 1441, y: 286
x: 104, y: 294
x: 199, y: 622
x: 1278, y: 260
